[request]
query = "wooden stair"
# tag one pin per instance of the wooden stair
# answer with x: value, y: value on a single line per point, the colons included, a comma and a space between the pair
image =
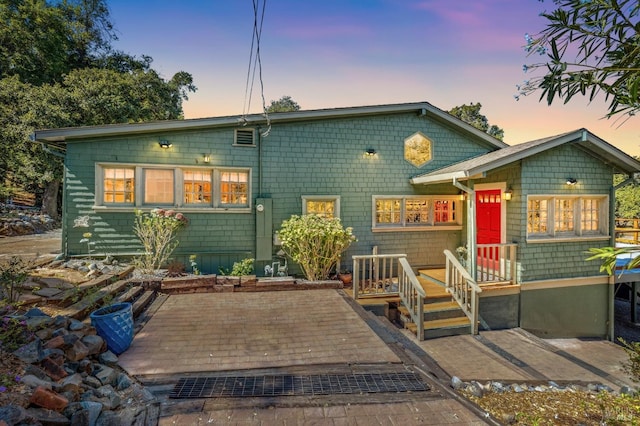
x: 442, y: 315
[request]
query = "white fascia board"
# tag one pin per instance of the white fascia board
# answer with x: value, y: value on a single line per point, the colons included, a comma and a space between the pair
x: 439, y: 178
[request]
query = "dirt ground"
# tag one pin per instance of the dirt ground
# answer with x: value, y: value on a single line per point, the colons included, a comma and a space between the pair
x: 47, y: 244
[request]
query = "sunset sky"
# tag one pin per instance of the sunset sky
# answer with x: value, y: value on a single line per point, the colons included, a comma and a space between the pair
x: 337, y: 53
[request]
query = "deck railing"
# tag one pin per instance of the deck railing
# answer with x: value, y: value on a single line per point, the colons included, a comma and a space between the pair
x: 496, y: 263
x: 463, y: 288
x: 412, y: 295
x: 628, y: 231
x: 376, y: 275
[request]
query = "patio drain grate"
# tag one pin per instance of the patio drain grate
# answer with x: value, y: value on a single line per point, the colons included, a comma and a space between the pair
x: 295, y: 385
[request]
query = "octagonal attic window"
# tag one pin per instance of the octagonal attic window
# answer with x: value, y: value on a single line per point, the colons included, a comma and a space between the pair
x: 417, y: 149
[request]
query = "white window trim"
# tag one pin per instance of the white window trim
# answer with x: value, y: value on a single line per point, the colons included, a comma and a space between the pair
x: 553, y: 236
x: 334, y: 198
x: 215, y: 207
x: 431, y: 226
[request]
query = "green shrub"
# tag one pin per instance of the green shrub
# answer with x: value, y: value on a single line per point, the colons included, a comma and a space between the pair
x: 244, y: 267
x: 632, y: 367
x: 13, y: 274
x: 315, y: 243
x: 157, y: 233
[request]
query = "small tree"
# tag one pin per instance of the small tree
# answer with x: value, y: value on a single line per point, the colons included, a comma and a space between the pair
x: 315, y: 243
x: 13, y: 273
x: 157, y: 233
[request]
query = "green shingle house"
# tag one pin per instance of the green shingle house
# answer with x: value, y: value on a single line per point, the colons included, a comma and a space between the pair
x: 408, y: 178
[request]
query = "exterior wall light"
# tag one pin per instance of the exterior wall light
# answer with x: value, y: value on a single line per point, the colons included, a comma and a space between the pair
x: 165, y: 144
x: 370, y: 152
x: 206, y: 158
x: 572, y: 181
x: 508, y: 194
x: 462, y: 196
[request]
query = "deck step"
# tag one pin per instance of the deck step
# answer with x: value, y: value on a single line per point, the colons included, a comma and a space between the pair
x: 443, y: 327
x: 436, y: 311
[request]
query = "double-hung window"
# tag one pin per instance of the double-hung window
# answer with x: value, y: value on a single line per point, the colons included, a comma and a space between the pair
x: 419, y: 212
x: 140, y: 186
x: 550, y: 218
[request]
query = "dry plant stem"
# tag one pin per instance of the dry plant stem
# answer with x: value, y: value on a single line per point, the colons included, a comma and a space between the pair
x: 157, y: 235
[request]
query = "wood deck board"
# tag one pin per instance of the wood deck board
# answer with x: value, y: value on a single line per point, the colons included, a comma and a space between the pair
x: 441, y: 323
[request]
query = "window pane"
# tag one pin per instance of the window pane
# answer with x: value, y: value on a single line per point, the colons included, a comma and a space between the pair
x: 537, y: 216
x: 416, y: 212
x: 564, y: 219
x: 388, y: 211
x: 590, y: 218
x: 324, y: 208
x: 118, y: 185
x: 444, y: 211
x: 234, y: 188
x: 197, y: 186
x: 158, y: 186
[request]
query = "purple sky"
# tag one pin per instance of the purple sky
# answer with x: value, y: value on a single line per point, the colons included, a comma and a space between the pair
x: 335, y: 53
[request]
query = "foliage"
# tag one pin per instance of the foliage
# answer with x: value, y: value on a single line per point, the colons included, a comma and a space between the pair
x: 470, y: 114
x: 627, y: 199
x: 13, y: 274
x: 609, y: 255
x: 315, y: 243
x: 175, y: 268
x: 284, y: 104
x: 193, y: 262
x: 591, y: 48
x: 244, y: 267
x: 14, y: 333
x: 58, y: 69
x: 157, y: 233
x: 632, y: 367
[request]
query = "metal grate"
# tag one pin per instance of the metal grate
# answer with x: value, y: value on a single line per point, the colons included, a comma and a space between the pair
x: 290, y: 385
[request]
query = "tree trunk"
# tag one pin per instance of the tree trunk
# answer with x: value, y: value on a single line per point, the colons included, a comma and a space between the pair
x: 50, y: 199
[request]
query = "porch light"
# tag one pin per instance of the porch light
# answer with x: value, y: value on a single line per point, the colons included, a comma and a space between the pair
x: 370, y: 152
x: 508, y: 194
x: 572, y: 181
x: 164, y: 144
x: 206, y: 158
x: 462, y: 196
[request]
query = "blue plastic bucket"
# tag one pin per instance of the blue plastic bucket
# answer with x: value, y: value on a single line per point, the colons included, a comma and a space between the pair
x: 114, y: 323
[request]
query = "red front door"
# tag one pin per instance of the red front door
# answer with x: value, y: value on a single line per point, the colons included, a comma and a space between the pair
x: 488, y: 226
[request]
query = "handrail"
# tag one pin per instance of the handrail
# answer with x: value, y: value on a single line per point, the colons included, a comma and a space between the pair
x: 496, y: 262
x: 412, y: 295
x: 375, y: 275
x: 463, y: 288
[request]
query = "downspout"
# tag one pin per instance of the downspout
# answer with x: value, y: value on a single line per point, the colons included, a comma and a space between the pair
x: 471, y: 226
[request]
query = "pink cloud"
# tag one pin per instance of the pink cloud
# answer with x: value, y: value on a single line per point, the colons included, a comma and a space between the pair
x: 322, y: 30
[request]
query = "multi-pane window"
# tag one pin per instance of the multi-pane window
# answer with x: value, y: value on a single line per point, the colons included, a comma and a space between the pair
x: 414, y: 211
x: 537, y: 216
x: 118, y: 185
x: 567, y: 216
x: 564, y: 215
x: 234, y: 187
x: 321, y: 205
x: 197, y: 186
x: 590, y: 219
x: 158, y: 186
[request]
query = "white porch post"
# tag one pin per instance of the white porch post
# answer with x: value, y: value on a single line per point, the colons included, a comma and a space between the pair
x: 471, y: 227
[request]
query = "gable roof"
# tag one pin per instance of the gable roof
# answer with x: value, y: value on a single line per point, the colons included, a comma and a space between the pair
x: 59, y: 137
x: 478, y: 166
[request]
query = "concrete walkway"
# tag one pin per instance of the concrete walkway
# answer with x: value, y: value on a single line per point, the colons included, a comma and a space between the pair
x: 321, y: 330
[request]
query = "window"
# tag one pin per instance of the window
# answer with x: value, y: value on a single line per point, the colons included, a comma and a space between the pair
x: 198, y: 188
x: 119, y: 185
x: 557, y: 217
x: 158, y: 186
x: 234, y: 188
x: 417, y: 212
x: 322, y: 205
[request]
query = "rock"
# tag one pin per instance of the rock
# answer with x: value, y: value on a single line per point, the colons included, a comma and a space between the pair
x: 456, y: 383
x: 80, y: 418
x: 108, y: 358
x: 94, y: 409
x: 517, y: 388
x: 35, y: 312
x: 48, y: 399
x: 31, y: 352
x: 12, y: 414
x: 626, y: 390
x: 123, y: 382
x: 53, y: 368
x: 78, y: 351
x: 475, y: 389
x: 92, y: 382
x: 106, y: 375
x: 33, y: 382
x: 47, y: 417
x: 72, y: 384
x: 94, y: 343
x: 75, y: 325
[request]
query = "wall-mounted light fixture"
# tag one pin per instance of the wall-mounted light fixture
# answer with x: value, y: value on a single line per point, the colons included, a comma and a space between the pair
x: 370, y: 152
x: 508, y: 194
x: 572, y: 181
x: 164, y: 144
x: 462, y: 196
x: 206, y: 158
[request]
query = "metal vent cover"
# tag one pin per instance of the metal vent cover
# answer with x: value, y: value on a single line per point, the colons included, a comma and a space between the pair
x: 297, y: 385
